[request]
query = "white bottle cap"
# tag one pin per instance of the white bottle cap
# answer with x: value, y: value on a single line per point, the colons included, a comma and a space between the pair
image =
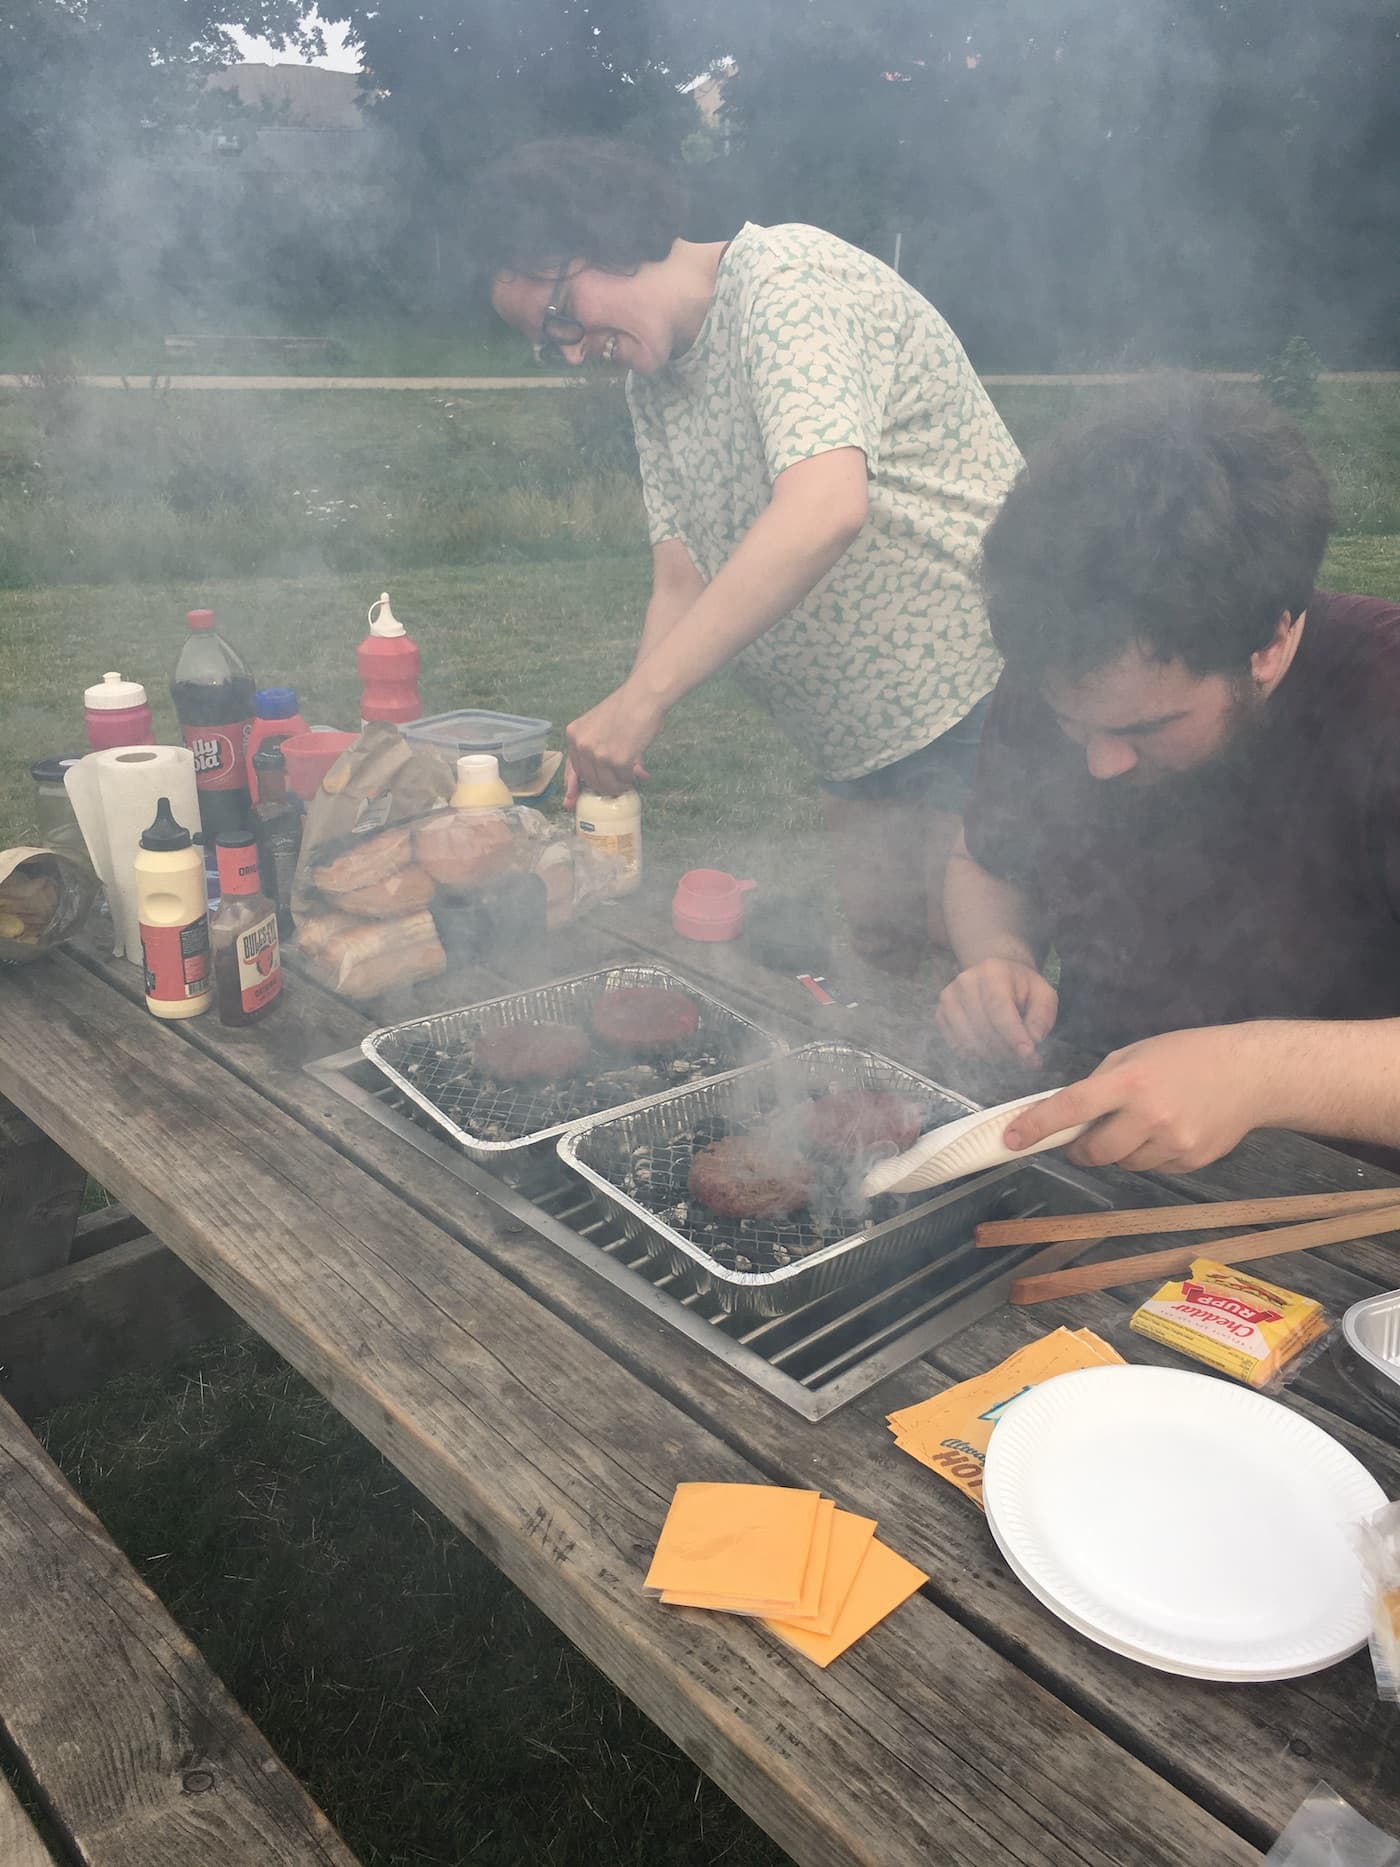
x: 382, y: 620
x: 112, y: 692
x: 478, y: 768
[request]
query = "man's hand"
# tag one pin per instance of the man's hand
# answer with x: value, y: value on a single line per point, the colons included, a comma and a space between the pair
x: 1170, y: 1104
x: 606, y: 743
x: 998, y: 1007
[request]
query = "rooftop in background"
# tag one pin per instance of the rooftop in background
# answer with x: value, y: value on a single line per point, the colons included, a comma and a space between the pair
x: 311, y: 97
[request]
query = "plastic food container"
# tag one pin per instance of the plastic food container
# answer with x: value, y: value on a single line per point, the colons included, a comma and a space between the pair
x: 517, y: 742
x: 1372, y: 1331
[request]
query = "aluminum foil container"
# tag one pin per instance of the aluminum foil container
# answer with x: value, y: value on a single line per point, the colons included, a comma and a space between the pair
x: 1372, y: 1329
x: 430, y: 1061
x: 636, y: 1161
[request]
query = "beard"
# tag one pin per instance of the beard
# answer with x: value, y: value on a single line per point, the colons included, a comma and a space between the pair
x: 1223, y: 778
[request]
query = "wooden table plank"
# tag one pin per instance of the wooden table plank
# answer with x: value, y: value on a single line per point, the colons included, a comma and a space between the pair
x: 1181, y: 1727
x: 560, y: 1464
x: 141, y: 1756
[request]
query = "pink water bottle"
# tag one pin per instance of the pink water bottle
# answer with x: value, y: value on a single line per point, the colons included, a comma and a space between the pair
x: 115, y: 713
x: 388, y: 664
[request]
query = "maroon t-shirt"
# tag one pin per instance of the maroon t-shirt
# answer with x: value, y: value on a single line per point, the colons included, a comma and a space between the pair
x: 1266, y: 885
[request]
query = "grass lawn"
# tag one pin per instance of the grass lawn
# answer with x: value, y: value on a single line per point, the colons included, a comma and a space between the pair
x: 435, y: 1715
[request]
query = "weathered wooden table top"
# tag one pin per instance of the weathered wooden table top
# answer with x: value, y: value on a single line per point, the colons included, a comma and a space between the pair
x: 550, y: 1419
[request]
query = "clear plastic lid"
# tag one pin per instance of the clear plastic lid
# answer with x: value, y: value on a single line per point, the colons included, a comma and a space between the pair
x: 112, y: 692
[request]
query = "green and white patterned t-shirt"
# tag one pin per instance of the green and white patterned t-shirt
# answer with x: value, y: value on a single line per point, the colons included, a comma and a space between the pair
x: 809, y: 345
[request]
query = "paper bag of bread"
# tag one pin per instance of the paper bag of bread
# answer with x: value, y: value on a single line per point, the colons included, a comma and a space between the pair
x: 44, y: 897
x: 366, y: 958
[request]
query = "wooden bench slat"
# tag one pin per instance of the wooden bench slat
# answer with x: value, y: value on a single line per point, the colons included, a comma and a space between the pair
x: 20, y: 1841
x: 140, y: 1754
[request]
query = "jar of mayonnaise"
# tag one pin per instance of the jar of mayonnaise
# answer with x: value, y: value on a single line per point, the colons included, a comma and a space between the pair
x: 612, y: 826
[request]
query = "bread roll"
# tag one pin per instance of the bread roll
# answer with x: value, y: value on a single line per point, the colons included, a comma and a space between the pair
x: 461, y: 849
x: 403, y: 893
x: 367, y: 862
x: 362, y: 958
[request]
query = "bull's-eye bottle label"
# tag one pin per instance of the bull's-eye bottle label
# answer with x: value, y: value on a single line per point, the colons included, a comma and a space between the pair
x: 259, y: 965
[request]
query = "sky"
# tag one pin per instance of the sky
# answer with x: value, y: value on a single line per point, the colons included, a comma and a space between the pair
x: 339, y: 56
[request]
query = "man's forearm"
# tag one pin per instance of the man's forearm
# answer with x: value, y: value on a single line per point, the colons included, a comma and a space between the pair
x: 987, y: 918
x: 1340, y: 1079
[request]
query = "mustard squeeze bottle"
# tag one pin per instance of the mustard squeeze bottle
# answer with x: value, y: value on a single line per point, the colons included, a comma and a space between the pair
x: 172, y: 911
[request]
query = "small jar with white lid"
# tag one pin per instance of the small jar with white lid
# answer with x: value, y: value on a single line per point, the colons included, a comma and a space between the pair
x: 612, y: 827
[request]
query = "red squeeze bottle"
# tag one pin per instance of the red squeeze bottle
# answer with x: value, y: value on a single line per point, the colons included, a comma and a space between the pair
x: 213, y: 695
x: 388, y: 664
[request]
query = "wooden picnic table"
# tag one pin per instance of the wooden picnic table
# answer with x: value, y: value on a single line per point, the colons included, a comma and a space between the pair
x: 549, y: 1416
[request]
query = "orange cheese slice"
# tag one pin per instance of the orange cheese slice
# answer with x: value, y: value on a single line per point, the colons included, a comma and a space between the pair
x: 883, y: 1581
x: 850, y: 1539
x: 758, y: 1603
x: 736, y: 1540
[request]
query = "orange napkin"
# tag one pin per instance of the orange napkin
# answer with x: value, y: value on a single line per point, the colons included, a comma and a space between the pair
x: 733, y: 1540
x: 883, y: 1582
x: 950, y: 1432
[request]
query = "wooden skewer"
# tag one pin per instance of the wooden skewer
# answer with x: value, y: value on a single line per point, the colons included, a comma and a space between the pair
x: 1154, y: 1265
x: 1049, y: 1228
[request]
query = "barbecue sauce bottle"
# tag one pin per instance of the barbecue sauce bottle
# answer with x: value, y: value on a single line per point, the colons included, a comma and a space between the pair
x: 243, y: 935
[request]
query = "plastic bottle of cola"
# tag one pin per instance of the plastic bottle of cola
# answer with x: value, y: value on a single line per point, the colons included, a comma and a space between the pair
x: 213, y: 695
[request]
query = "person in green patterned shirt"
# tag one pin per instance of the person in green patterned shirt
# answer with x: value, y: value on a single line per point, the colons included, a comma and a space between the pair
x: 819, y: 463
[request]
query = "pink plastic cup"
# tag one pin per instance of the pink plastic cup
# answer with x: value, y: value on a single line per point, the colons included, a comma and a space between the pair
x: 709, y: 905
x: 310, y: 756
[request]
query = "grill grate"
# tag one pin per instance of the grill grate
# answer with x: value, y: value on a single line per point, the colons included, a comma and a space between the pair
x: 431, y: 1060
x: 814, y: 1358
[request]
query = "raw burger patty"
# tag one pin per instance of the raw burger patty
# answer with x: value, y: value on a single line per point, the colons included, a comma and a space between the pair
x: 744, y: 1178
x: 531, y: 1053
x: 645, y: 1017
x: 861, y: 1121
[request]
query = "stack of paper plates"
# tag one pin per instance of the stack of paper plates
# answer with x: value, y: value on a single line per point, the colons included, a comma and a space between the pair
x: 971, y: 1144
x: 1182, y: 1521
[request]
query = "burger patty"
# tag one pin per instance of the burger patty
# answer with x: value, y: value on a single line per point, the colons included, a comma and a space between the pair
x: 645, y: 1017
x: 861, y: 1121
x: 531, y: 1053
x: 741, y: 1177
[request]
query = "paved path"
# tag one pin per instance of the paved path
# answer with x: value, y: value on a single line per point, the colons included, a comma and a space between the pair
x: 468, y: 384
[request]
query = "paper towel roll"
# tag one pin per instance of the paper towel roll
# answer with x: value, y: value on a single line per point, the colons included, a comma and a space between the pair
x: 114, y: 795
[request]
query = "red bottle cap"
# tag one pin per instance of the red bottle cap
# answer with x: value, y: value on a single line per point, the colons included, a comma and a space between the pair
x: 200, y: 618
x: 237, y: 855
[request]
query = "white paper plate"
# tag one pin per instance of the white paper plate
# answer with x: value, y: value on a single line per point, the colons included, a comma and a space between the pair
x: 1183, y: 1521
x: 971, y: 1144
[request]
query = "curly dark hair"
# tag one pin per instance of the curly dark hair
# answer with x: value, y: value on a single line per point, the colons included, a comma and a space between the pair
x: 606, y: 202
x: 1184, y: 521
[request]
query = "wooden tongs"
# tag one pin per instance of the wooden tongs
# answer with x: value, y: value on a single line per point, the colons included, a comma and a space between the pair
x: 1331, y: 1219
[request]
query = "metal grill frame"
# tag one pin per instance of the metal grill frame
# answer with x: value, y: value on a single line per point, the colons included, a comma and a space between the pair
x: 877, y: 1246
x: 567, y: 1001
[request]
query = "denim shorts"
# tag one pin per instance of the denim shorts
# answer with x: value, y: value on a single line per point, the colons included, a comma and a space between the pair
x: 939, y: 774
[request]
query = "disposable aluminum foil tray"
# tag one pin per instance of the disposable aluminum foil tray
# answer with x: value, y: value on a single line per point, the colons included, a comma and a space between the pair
x: 637, y: 1162
x: 1372, y: 1328
x: 430, y: 1060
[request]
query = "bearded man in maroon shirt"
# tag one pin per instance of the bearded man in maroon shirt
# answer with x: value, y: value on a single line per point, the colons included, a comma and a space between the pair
x: 1189, y: 791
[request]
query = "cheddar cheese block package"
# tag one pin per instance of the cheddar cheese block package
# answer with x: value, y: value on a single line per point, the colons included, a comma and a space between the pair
x: 1238, y: 1324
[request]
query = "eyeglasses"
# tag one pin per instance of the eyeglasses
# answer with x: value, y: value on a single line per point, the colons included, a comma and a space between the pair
x: 558, y: 329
